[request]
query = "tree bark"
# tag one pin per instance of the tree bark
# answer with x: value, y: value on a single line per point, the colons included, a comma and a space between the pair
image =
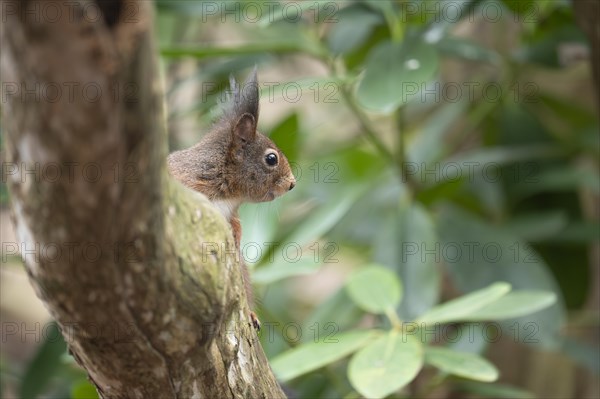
x: 139, y: 272
x: 587, y: 14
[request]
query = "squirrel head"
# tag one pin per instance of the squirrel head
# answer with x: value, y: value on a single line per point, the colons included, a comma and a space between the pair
x: 257, y: 170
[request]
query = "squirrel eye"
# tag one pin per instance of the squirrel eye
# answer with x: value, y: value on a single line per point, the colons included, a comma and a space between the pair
x: 271, y: 159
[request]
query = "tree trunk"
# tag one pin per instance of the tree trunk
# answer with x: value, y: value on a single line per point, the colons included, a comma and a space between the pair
x: 139, y: 272
x: 587, y: 13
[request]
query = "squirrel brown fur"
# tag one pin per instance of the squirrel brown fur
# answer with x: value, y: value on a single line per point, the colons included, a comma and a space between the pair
x: 234, y: 163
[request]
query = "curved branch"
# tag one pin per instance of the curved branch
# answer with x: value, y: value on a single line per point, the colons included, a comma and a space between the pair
x: 135, y: 268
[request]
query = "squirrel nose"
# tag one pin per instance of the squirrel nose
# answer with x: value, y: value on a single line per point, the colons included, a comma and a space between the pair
x: 292, y: 185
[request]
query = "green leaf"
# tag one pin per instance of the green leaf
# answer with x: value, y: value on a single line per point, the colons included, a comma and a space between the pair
x: 520, y: 7
x: 565, y: 178
x: 308, y: 357
x: 392, y: 70
x: 355, y: 59
x: 374, y: 289
x: 579, y: 232
x: 412, y: 227
x: 83, y: 389
x: 277, y: 13
x: 440, y: 22
x: 45, y: 364
x: 514, y: 304
x: 338, y: 309
x: 280, y: 270
x: 4, y: 197
x: 199, y: 52
x: 484, y: 254
x: 319, y: 89
x: 386, y: 7
x: 517, y: 125
x: 461, y: 308
x: 467, y: 49
x: 471, y: 338
x: 538, y: 226
x: 482, y: 157
x: 285, y: 135
x: 496, y: 391
x: 462, y: 364
x: 376, y: 214
x: 430, y: 143
x: 571, y: 113
x: 385, y: 365
x: 420, y: 277
x: 546, y: 50
x: 483, y: 163
x: 325, y: 217
x: 353, y: 28
x: 260, y: 223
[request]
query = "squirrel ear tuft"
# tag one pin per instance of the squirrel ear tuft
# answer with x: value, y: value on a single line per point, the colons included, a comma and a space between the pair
x: 244, y: 129
x: 250, y: 95
x: 242, y: 100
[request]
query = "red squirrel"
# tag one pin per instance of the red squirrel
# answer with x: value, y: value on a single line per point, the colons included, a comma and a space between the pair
x: 234, y: 163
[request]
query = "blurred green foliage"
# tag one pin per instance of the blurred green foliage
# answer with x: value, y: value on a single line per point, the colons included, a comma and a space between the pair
x: 436, y: 205
x: 50, y: 373
x: 471, y: 175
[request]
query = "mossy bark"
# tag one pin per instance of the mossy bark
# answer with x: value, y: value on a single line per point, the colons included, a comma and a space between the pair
x: 137, y: 270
